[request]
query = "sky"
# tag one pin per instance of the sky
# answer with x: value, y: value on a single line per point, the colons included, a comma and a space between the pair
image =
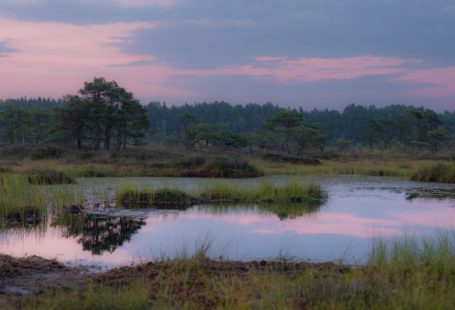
x: 293, y: 53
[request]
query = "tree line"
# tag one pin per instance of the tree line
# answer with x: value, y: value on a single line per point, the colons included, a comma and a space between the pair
x: 100, y: 115
x: 103, y: 115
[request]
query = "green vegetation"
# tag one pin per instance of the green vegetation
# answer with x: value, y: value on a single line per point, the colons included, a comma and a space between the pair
x: 24, y: 202
x: 439, y: 172
x: 405, y: 274
x: 20, y: 201
x: 138, y: 161
x: 292, y: 192
x: 48, y: 176
x: 105, y: 116
x: 213, y: 140
x: 286, y: 201
x: 166, y: 198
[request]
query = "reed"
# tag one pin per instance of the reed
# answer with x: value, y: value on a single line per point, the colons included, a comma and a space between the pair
x: 399, y: 168
x: 291, y: 192
x: 128, y: 196
x: 19, y: 199
x: 439, y: 172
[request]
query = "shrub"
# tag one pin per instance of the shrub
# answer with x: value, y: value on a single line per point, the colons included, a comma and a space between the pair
x: 15, y: 151
x: 47, y: 152
x: 223, y: 167
x: 275, y: 157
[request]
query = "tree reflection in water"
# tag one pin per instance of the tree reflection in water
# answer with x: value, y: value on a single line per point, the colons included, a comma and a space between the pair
x: 99, y: 234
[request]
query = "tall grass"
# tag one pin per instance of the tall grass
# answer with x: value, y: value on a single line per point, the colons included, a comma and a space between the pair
x: 292, y: 192
x: 129, y: 196
x: 440, y: 172
x: 19, y: 198
x: 401, y: 168
x: 407, y: 274
x: 60, y: 196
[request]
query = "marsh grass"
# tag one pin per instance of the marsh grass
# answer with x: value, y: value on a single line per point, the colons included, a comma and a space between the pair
x: 439, y: 172
x: 290, y: 200
x: 344, y: 166
x: 48, y: 176
x: 291, y: 192
x: 19, y: 199
x: 405, y: 274
x: 22, y: 201
x: 128, y: 196
x: 61, y: 196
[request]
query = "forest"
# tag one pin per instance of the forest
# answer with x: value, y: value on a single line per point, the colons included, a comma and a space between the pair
x: 103, y: 115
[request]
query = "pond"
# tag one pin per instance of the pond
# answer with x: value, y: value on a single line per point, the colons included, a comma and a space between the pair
x: 358, y: 210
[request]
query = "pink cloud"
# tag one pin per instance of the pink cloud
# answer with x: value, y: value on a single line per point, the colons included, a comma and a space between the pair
x: 143, y: 3
x: 439, y: 81
x: 53, y: 59
x: 318, y: 223
x: 303, y: 69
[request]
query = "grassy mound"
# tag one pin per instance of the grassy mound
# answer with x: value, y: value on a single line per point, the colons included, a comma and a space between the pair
x: 158, y: 199
x: 288, y: 201
x: 292, y: 192
x: 440, y: 172
x: 224, y: 167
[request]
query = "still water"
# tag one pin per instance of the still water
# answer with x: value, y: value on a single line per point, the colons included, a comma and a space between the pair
x: 357, y: 211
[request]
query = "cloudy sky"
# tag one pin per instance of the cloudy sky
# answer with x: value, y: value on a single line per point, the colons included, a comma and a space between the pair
x: 309, y: 53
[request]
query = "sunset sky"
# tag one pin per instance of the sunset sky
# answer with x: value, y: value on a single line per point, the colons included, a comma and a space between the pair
x: 308, y: 53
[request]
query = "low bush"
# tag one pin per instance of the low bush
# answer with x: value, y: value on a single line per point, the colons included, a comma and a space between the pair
x: 223, y: 167
x: 47, y: 152
x: 15, y: 151
x: 286, y: 158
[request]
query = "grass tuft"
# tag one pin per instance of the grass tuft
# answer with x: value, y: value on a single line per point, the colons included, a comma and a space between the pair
x: 440, y: 172
x: 19, y: 200
x: 292, y: 192
x: 129, y: 197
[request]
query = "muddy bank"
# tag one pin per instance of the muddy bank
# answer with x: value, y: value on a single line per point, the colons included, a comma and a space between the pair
x: 30, y: 276
x: 21, y: 277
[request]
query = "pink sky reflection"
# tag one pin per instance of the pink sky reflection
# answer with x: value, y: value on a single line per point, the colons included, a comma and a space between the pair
x: 340, y: 223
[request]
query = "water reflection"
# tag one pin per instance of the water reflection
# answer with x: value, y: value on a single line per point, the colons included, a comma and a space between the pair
x: 430, y: 193
x: 99, y: 234
x: 282, y: 211
x: 357, y: 210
